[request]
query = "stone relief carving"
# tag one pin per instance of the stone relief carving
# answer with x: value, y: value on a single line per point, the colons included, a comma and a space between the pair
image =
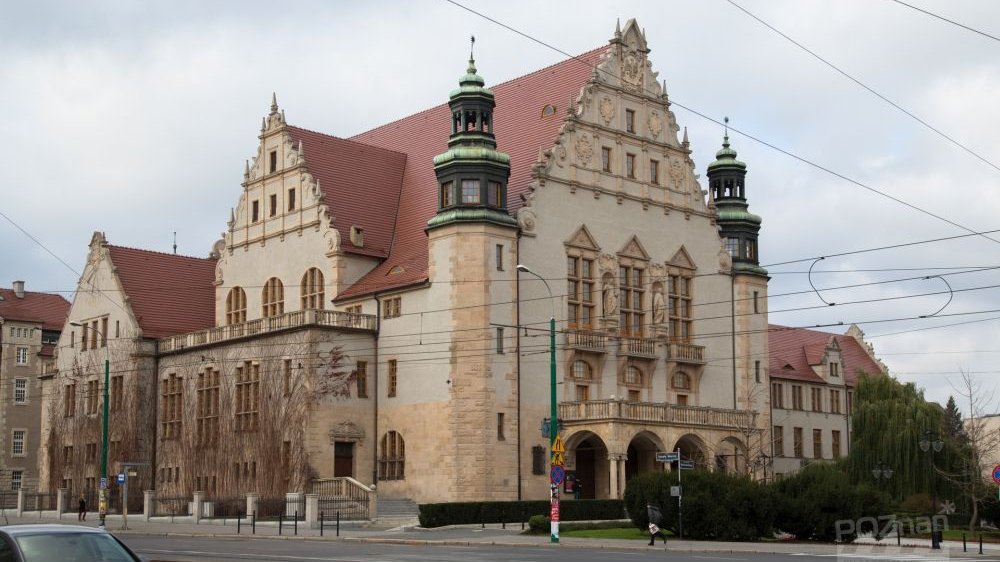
x: 725, y: 260
x: 608, y: 262
x: 657, y: 271
x: 584, y: 149
x: 526, y: 219
x: 607, y: 109
x: 632, y: 71
x: 655, y: 124
x: 347, y: 431
x: 677, y: 174
x: 560, y: 153
x: 218, y: 273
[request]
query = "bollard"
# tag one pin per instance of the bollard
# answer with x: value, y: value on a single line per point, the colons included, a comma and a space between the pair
x: 321, y: 523
x: 295, y: 523
x: 503, y: 518
x: 253, y: 523
x: 338, y: 523
x: 238, y: 520
x: 281, y: 519
x: 964, y: 549
x: 980, y: 544
x: 899, y: 535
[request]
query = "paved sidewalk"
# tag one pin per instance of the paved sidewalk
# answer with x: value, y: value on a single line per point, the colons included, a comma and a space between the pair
x: 495, y: 535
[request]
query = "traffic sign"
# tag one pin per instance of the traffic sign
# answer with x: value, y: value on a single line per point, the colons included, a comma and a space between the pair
x: 558, y: 446
x: 104, y: 483
x: 996, y: 474
x: 558, y: 474
x: 121, y: 477
x: 668, y: 457
x: 675, y: 491
x: 687, y: 465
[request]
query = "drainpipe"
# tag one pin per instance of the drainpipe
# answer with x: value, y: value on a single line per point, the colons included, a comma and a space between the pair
x: 732, y: 309
x: 378, y: 330
x: 517, y: 344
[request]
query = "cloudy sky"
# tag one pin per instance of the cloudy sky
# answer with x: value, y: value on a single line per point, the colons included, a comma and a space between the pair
x: 135, y: 118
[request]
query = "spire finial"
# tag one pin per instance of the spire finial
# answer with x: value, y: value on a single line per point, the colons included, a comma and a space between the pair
x: 274, y: 103
x: 685, y: 141
x: 725, y: 139
x: 246, y: 169
x: 618, y: 28
x: 472, y: 59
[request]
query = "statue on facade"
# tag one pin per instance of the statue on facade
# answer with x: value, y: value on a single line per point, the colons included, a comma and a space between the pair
x: 610, y: 300
x: 659, y: 307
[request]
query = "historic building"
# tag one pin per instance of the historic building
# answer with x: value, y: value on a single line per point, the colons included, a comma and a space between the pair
x: 378, y: 306
x: 29, y: 329
x: 813, y: 375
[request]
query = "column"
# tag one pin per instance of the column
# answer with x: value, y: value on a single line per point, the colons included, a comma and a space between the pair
x: 148, y: 500
x: 372, y: 503
x: 61, y: 495
x: 196, y: 507
x: 251, y: 504
x: 20, y: 502
x: 312, y: 511
x: 613, y: 475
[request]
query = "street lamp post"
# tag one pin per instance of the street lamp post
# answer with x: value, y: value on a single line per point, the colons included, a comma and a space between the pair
x: 103, y: 493
x: 930, y: 444
x: 553, y: 420
x: 882, y: 472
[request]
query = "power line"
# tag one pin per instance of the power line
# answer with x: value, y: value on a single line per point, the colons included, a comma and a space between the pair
x: 866, y: 87
x: 953, y: 22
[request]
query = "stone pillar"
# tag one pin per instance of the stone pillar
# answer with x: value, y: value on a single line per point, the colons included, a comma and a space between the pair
x: 20, y: 502
x: 613, y: 474
x: 292, y: 502
x: 61, y: 495
x: 148, y: 502
x: 196, y: 507
x: 252, y: 504
x: 372, y: 504
x: 312, y: 510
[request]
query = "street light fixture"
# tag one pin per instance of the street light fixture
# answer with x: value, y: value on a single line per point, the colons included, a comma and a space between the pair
x: 931, y: 443
x: 553, y: 420
x: 103, y: 493
x: 882, y: 471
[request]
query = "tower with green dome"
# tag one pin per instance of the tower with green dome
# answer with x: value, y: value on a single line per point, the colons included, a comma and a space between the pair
x: 738, y: 227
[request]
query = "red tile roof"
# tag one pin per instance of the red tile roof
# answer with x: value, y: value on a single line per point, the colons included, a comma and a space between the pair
x: 520, y: 130
x: 360, y: 185
x: 169, y: 294
x: 46, y: 309
x: 48, y: 350
x: 794, y: 350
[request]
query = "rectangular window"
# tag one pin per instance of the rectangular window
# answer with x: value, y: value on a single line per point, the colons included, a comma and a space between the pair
x: 286, y: 376
x: 797, y: 444
x: 172, y: 400
x: 391, y: 307
x: 493, y: 193
x: 104, y: 332
x: 392, y: 378
x: 778, y: 435
x: 67, y: 454
x: 16, y: 477
x: 91, y: 452
x: 682, y: 399
x: 117, y: 390
x: 834, y: 401
x: 470, y: 192
x: 582, y: 392
x: 797, y: 397
x: 447, y: 194
x: 117, y: 330
x: 629, y: 121
x: 273, y: 205
x: 92, y: 397
x: 679, y: 290
x: 606, y: 159
x: 817, y: 399
x: 834, y: 369
x: 72, y: 339
x: 634, y: 395
x: 500, y: 340
x: 22, y: 356
x: 756, y: 371
x: 499, y: 257
x: 273, y: 166
x: 500, y: 435
x: 630, y: 165
x: 362, y: 370
x: 17, y: 442
x: 850, y: 402
x: 20, y: 391
x: 733, y: 247
x: 291, y: 199
x: 69, y: 400
x: 207, y: 411
x: 93, y: 334
x: 538, y: 459
x: 247, y: 396
x: 777, y: 395
x: 835, y: 443
x: 580, y: 294
x: 254, y: 211
x: 654, y: 172
x: 630, y: 300
x: 817, y: 443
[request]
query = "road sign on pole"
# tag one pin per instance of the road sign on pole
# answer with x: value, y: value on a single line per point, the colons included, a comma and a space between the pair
x: 996, y: 474
x: 668, y: 457
x: 687, y: 465
x: 558, y: 474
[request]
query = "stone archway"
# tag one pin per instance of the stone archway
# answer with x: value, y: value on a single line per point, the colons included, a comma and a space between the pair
x: 692, y: 448
x: 641, y: 454
x: 730, y: 456
x: 590, y: 463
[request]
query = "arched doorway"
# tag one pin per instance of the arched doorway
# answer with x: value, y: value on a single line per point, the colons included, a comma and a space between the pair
x: 692, y: 448
x: 731, y: 456
x: 590, y: 464
x: 641, y: 453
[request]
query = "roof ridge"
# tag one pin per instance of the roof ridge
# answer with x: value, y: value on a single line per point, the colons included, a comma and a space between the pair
x: 345, y: 139
x: 165, y: 254
x: 433, y: 107
x: 40, y: 293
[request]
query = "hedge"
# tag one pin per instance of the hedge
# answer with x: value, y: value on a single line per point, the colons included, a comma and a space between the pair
x: 465, y: 513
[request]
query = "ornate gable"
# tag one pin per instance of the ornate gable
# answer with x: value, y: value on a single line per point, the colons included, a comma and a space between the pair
x: 583, y: 239
x: 682, y: 259
x: 633, y: 249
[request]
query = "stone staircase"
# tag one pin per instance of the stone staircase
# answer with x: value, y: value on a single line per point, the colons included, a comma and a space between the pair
x: 397, y: 512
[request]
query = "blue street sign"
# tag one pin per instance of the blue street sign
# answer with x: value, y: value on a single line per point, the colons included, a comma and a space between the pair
x: 687, y: 465
x: 668, y: 457
x: 558, y: 473
x: 996, y: 474
x: 121, y: 477
x: 104, y: 483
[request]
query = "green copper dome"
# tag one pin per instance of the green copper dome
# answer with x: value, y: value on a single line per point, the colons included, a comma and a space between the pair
x: 736, y: 213
x: 471, y: 83
x: 726, y: 157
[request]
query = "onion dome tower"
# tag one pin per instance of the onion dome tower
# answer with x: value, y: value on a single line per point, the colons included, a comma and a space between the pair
x: 737, y: 225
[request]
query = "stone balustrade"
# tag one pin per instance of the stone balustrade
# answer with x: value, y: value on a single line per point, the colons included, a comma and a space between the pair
x: 655, y: 413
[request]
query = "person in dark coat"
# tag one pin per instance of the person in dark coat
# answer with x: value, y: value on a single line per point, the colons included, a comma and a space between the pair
x: 82, y: 515
x: 655, y: 518
x: 577, y: 488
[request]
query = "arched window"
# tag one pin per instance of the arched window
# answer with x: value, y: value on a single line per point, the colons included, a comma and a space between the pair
x: 273, y: 298
x: 392, y: 457
x: 582, y: 370
x: 236, y: 306
x: 312, y: 289
x: 633, y: 375
x: 681, y: 380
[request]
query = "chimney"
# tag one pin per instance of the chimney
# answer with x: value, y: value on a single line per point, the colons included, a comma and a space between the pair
x: 19, y: 289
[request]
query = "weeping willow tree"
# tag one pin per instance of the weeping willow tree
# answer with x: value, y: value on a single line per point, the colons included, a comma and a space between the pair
x: 888, y: 422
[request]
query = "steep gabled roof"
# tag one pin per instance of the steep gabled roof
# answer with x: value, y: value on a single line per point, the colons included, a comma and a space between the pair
x: 521, y: 129
x: 46, y: 309
x: 360, y: 185
x: 169, y: 294
x: 800, y: 348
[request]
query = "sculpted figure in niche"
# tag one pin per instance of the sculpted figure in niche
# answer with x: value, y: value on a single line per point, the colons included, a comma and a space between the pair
x: 659, y: 306
x: 610, y: 298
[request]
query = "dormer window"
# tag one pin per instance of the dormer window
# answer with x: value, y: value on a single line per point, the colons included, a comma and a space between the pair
x: 834, y: 369
x: 273, y: 167
x: 548, y: 110
x: 470, y: 192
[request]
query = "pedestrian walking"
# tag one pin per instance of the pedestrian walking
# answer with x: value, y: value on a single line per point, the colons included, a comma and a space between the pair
x: 82, y: 515
x: 655, y: 518
x: 577, y: 488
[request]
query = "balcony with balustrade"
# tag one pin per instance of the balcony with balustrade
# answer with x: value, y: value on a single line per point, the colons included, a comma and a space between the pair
x: 654, y: 413
x: 586, y: 340
x: 637, y: 347
x: 270, y: 325
x: 679, y: 352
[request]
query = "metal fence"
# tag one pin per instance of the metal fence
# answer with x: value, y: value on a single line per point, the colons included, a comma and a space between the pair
x: 8, y: 500
x: 174, y: 507
x: 348, y: 508
x: 225, y: 508
x: 37, y: 501
x: 286, y: 507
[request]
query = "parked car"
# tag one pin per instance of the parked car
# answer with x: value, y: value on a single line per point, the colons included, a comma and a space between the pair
x: 62, y: 543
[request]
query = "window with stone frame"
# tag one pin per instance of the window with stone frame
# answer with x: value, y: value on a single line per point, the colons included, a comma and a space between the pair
x: 582, y: 392
x: 362, y: 379
x: 392, y: 457
x: 20, y: 391
x: 632, y: 376
x: 681, y: 381
x: 273, y: 298
x: 817, y: 443
x: 606, y: 159
x: 16, y: 479
x: 236, y: 306
x: 777, y: 395
x: 247, y: 396
x: 17, y: 442
x: 631, y: 297
x: 629, y: 121
x: 580, y: 273
x: 117, y: 392
x: 92, y: 397
x: 679, y: 296
x: 630, y: 165
x: 654, y: 172
x: 816, y: 398
x: 291, y: 199
x: 835, y: 443
x: 778, y: 438
x: 22, y: 356
x: 582, y: 371
x: 69, y: 400
x: 797, y: 397
x: 834, y: 401
x: 392, y: 307
x: 172, y: 407
x: 207, y: 411
x: 797, y: 442
x: 312, y: 289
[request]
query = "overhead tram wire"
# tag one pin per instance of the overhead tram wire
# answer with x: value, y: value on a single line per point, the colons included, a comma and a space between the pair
x: 747, y: 135
x: 908, y: 113
x: 953, y: 22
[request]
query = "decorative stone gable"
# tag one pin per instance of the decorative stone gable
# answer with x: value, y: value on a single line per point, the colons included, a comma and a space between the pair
x: 583, y: 239
x: 682, y: 259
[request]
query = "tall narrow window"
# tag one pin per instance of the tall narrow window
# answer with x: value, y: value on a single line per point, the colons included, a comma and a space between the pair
x: 20, y: 391
x: 362, y: 375
x: 629, y: 121
x: 680, y: 307
x: 172, y: 407
x: 654, y: 172
x: 247, y: 396
x: 797, y: 442
x: 797, y: 397
x: 392, y: 378
x: 470, y: 192
x: 778, y: 437
x: 631, y: 289
x: 756, y: 371
x: 291, y: 199
x: 92, y: 397
x: 777, y: 395
x: 255, y: 211
x: 273, y: 166
x: 17, y: 442
x: 499, y: 340
x: 69, y: 400
x: 538, y: 459
x: 273, y: 205
x: 835, y: 443
x: 22, y: 356
x: 104, y: 331
x: 16, y: 479
x: 493, y: 193
x: 756, y: 298
x: 580, y: 297
x: 630, y: 165
x: 606, y: 159
x: 207, y: 413
x: 117, y: 389
x: 447, y: 194
x: 817, y: 443
x: 834, y: 369
x: 273, y: 298
x: 500, y: 434
x: 93, y: 334
x: 834, y: 401
x: 236, y: 306
x: 286, y: 377
x: 392, y: 457
x: 499, y: 257
x: 312, y: 289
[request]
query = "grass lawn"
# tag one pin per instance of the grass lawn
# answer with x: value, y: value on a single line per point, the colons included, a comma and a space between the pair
x: 617, y: 533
